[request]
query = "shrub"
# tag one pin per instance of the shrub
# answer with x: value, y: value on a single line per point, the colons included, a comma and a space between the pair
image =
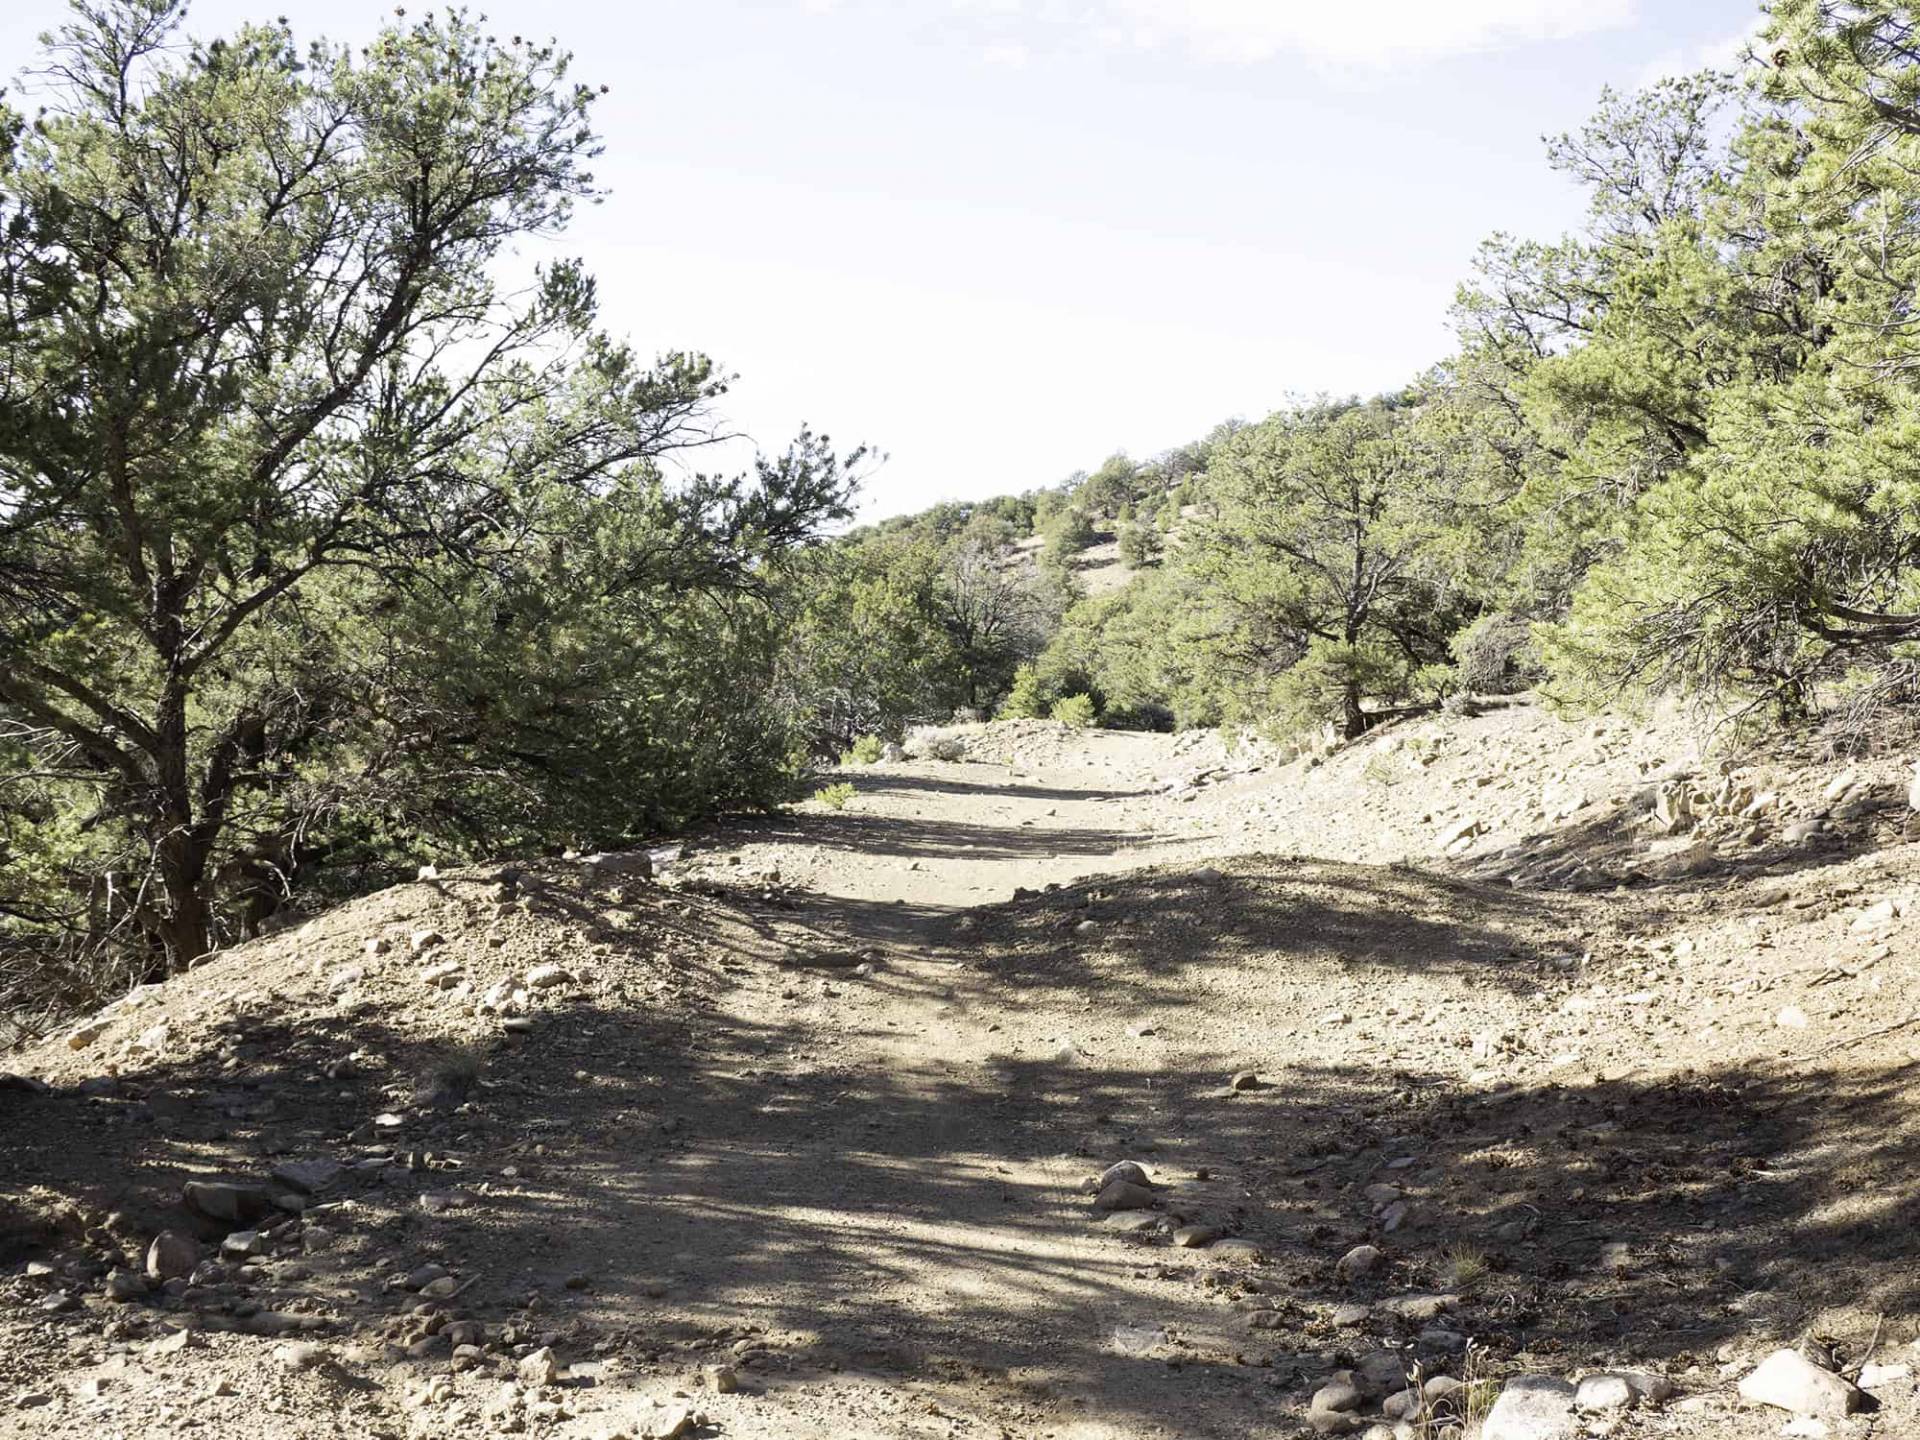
x: 1495, y: 654
x: 1072, y: 532
x: 834, y: 797
x: 867, y: 750
x: 1027, y: 700
x: 1074, y: 710
x: 1139, y: 546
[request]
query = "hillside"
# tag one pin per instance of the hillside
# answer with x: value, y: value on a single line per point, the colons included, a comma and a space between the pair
x: 1428, y: 1042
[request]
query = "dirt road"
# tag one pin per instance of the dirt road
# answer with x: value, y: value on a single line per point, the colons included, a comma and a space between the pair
x: 819, y: 1107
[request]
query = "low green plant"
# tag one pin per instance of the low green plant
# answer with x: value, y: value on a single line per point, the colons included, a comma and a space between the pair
x: 866, y: 751
x: 1075, y: 710
x: 1027, y: 700
x: 834, y: 797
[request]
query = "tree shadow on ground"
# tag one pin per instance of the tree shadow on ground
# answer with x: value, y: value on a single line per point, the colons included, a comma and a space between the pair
x: 1147, y: 930
x: 928, y: 1223
x: 665, y: 1178
x: 891, y: 782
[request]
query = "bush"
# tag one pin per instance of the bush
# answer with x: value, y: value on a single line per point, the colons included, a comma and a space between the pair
x: 1074, y: 710
x: 1027, y: 700
x: 867, y: 750
x: 834, y: 797
x: 1071, y: 533
x: 927, y: 743
x: 1139, y: 546
x: 1495, y: 655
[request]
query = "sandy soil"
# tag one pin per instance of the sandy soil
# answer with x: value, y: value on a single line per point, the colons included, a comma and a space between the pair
x: 819, y: 1103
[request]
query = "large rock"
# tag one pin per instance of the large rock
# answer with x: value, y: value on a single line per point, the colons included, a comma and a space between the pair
x: 309, y: 1177
x: 218, y: 1200
x: 1790, y: 1381
x: 1532, y: 1407
x: 172, y: 1256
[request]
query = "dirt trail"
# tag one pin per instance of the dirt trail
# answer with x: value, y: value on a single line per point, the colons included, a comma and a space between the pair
x: 819, y: 1105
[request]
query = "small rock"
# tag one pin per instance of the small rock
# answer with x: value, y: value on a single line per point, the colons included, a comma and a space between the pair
x: 1791, y: 1017
x: 242, y: 1243
x: 421, y: 941
x: 1123, y: 1195
x: 1195, y: 1237
x: 1360, y: 1260
x: 540, y: 1369
x: 1129, y: 1171
x: 1876, y: 915
x: 1874, y: 1376
x: 1349, y: 1316
x: 172, y: 1256
x: 124, y: 1286
x: 300, y: 1356
x: 720, y: 1379
x: 545, y: 977
x: 1604, y: 1392
x: 1788, y: 1380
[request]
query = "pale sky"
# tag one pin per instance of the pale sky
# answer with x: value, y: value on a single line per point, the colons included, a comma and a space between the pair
x: 1001, y: 239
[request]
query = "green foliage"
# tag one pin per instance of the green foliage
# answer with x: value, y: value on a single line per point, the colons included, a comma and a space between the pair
x: 1078, y: 711
x: 1070, y: 532
x: 320, y: 543
x: 1325, y: 562
x: 1027, y: 697
x: 1139, y: 547
x: 867, y: 750
x: 868, y: 650
x: 835, y: 797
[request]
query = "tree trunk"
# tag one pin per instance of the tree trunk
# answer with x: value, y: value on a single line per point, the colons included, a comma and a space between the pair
x: 1353, y: 719
x: 179, y: 851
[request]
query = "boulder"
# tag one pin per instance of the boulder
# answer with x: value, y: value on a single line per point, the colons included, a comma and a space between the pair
x: 172, y: 1256
x: 1532, y: 1407
x: 220, y: 1200
x: 1788, y: 1380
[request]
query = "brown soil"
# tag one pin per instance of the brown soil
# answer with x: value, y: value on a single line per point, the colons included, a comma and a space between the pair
x: 818, y: 1105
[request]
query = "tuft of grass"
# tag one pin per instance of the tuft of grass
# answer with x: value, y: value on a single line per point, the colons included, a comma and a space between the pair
x: 1462, y: 1267
x: 834, y: 797
x: 1381, y: 772
x: 1458, y: 1412
x: 450, y: 1079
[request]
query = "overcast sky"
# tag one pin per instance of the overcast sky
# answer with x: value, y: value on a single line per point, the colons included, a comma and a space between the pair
x: 1001, y: 239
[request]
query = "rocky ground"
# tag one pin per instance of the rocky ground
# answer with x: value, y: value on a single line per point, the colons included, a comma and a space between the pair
x: 1080, y: 1085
